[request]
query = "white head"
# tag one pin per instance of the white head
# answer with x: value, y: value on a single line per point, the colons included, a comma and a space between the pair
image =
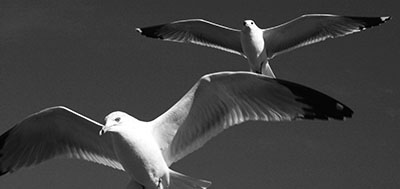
x: 249, y: 24
x: 115, y: 121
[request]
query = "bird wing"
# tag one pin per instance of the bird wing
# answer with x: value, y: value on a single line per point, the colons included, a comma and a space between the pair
x: 313, y: 28
x: 54, y: 132
x: 220, y: 100
x: 197, y: 31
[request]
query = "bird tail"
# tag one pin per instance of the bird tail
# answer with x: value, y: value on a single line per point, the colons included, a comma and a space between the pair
x: 181, y: 181
x: 267, y: 70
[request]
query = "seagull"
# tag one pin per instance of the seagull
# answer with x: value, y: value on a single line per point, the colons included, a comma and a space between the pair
x: 261, y: 45
x: 146, y: 149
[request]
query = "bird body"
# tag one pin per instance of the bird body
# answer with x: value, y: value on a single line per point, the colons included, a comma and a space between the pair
x: 252, y: 41
x: 261, y: 45
x: 138, y: 152
x: 146, y: 150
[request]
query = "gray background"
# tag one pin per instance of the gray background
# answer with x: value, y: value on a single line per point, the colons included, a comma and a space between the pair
x: 87, y: 56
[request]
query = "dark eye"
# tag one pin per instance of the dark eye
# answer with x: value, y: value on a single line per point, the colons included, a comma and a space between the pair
x: 251, y: 23
x: 117, y: 119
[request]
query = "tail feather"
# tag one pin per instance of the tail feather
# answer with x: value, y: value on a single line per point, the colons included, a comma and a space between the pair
x: 267, y: 70
x: 181, y: 181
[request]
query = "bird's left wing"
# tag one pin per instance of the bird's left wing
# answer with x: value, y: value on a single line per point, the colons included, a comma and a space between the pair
x: 220, y: 100
x: 53, y: 132
x: 199, y: 32
x: 313, y: 28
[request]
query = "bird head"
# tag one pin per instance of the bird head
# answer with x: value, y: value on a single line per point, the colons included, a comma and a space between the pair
x: 114, y: 121
x: 249, y: 24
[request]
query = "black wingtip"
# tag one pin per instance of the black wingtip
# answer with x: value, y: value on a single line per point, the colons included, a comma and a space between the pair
x: 3, y: 139
x: 3, y: 172
x: 346, y: 111
x: 320, y: 106
x: 369, y: 22
x: 152, y: 31
x: 333, y: 110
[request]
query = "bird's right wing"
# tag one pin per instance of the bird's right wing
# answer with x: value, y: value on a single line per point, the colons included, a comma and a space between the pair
x: 197, y: 31
x: 53, y: 132
x: 220, y: 100
x: 314, y: 28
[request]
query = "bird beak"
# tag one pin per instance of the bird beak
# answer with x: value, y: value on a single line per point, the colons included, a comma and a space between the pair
x: 104, y: 129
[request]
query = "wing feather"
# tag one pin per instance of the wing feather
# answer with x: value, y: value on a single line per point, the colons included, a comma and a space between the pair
x: 314, y: 28
x: 54, y: 132
x: 199, y: 32
x: 218, y: 101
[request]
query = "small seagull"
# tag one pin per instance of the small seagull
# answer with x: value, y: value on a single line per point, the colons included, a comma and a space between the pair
x: 146, y: 150
x: 261, y: 45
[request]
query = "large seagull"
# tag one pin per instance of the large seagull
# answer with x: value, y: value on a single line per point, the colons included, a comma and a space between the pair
x: 261, y: 45
x: 146, y: 150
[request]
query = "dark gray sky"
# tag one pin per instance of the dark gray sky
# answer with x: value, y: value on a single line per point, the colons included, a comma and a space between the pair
x: 87, y: 56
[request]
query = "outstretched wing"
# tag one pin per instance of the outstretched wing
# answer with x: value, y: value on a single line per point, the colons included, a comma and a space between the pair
x: 197, y: 31
x: 218, y: 101
x: 313, y: 28
x: 56, y: 131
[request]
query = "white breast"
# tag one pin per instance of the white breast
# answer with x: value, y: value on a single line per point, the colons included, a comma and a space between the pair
x: 252, y: 42
x: 140, y: 155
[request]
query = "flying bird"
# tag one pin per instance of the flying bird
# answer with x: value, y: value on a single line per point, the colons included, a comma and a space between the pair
x: 146, y: 150
x: 261, y: 45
